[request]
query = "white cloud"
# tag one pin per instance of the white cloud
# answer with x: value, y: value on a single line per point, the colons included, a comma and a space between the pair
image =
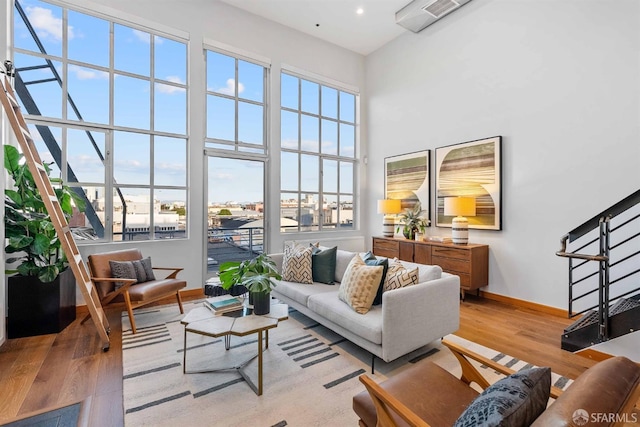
x: 131, y: 166
x: 291, y: 144
x: 162, y: 88
x: 142, y: 36
x: 87, y: 74
x: 221, y: 176
x: 47, y: 26
x: 229, y: 89
x: 85, y: 162
x: 309, y: 145
x: 171, y: 168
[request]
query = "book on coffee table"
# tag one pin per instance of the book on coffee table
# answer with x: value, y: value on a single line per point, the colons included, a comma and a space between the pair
x: 223, y: 303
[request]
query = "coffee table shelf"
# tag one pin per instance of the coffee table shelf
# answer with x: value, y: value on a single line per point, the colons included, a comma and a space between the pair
x: 242, y: 322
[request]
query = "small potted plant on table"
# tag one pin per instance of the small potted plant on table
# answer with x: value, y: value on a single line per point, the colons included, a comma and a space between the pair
x: 257, y: 275
x: 413, y: 222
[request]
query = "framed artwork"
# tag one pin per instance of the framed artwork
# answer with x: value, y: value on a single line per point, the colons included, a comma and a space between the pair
x: 406, y: 177
x: 471, y: 169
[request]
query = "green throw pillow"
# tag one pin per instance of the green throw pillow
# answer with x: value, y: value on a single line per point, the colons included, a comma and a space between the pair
x: 323, y: 265
x: 370, y: 259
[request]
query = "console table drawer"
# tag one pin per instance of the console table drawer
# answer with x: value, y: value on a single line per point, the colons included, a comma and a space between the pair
x: 450, y: 265
x: 463, y: 254
x: 385, y: 248
x: 465, y: 280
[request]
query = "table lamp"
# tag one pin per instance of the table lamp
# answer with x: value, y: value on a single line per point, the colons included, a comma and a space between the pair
x: 460, y: 208
x: 389, y: 207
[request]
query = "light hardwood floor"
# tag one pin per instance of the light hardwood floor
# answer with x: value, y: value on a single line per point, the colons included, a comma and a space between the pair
x: 57, y: 370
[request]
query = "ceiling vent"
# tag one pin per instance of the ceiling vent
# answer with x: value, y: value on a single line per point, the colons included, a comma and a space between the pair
x: 419, y: 14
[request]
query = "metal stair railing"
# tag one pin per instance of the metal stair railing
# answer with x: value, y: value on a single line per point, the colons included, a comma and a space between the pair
x: 47, y: 136
x: 607, y: 258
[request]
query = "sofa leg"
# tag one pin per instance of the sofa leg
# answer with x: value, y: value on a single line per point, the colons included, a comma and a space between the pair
x: 373, y: 361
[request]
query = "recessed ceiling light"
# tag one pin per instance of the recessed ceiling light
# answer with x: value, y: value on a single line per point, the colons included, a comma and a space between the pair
x: 360, y: 11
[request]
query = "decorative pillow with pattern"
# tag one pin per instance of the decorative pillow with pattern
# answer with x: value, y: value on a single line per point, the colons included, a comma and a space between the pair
x: 148, y: 269
x: 516, y: 400
x: 360, y: 284
x: 399, y: 277
x: 296, y: 264
x: 141, y: 274
x: 122, y: 270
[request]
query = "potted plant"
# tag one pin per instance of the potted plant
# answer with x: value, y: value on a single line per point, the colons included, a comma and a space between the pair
x: 257, y: 275
x: 412, y: 222
x: 41, y: 294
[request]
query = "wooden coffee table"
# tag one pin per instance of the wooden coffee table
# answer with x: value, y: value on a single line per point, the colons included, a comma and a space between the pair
x: 240, y: 323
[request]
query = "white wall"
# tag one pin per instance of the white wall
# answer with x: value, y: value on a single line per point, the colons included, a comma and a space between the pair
x: 559, y: 80
x: 212, y: 20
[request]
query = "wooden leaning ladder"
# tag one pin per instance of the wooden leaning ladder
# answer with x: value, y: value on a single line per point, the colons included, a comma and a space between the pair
x: 21, y: 130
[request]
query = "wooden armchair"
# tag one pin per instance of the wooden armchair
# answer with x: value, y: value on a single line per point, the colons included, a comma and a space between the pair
x: 133, y: 293
x: 427, y: 395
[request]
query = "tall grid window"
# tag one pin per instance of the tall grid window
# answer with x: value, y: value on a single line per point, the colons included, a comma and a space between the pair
x: 107, y: 105
x: 236, y: 113
x: 318, y: 149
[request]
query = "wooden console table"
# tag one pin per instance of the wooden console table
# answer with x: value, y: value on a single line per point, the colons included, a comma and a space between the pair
x: 470, y: 262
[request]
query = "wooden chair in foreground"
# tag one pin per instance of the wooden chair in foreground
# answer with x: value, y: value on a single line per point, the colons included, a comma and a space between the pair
x: 427, y: 395
x: 133, y: 292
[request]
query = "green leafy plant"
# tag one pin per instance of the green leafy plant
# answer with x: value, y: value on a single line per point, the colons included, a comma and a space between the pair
x: 28, y: 227
x: 412, y: 221
x: 256, y: 274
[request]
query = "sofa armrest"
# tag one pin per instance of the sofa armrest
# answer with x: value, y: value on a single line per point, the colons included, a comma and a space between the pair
x: 277, y: 258
x: 414, y: 316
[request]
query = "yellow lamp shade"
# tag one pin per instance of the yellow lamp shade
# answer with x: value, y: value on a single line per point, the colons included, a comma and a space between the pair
x: 460, y: 206
x: 389, y: 206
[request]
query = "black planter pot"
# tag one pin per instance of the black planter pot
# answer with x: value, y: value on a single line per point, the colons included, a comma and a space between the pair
x: 261, y: 302
x: 37, y: 308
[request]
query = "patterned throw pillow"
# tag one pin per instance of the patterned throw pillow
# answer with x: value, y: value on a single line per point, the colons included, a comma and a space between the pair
x: 360, y: 284
x: 122, y: 270
x: 141, y: 274
x: 516, y: 400
x: 399, y: 277
x: 296, y: 264
x: 148, y: 269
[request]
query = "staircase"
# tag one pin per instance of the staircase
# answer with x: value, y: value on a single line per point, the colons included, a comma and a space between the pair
x: 48, y: 74
x: 604, y: 287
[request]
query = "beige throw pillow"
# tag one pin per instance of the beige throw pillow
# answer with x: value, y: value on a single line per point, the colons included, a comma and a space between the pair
x: 360, y: 284
x: 399, y: 277
x: 296, y: 264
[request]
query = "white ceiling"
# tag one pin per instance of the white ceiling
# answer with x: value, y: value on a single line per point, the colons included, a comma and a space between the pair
x: 338, y: 22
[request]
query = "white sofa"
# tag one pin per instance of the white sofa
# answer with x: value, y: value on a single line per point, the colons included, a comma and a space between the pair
x: 407, y: 319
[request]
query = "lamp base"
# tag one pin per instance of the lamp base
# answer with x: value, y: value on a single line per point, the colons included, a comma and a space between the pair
x: 460, y: 230
x: 388, y: 225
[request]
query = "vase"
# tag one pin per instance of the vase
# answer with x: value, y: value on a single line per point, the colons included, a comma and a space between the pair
x: 37, y: 308
x: 261, y: 302
x: 409, y: 233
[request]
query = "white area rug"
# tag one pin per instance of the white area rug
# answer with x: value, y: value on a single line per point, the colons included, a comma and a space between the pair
x: 310, y: 374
